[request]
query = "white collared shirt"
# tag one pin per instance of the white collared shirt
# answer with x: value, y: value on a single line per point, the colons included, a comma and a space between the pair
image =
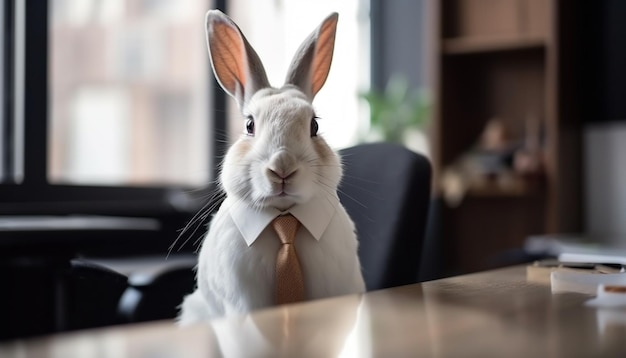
x: 314, y: 215
x: 238, y: 256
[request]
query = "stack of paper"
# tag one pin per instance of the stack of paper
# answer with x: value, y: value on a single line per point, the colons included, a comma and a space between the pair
x: 583, y: 264
x: 570, y: 281
x: 583, y: 277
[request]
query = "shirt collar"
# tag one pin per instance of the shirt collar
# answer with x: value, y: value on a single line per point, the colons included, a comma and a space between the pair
x: 315, y: 215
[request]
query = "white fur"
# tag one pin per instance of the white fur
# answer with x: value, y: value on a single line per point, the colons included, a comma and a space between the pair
x: 233, y: 277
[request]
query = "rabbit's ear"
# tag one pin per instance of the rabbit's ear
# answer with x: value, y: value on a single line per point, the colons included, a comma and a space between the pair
x: 236, y: 65
x: 311, y: 63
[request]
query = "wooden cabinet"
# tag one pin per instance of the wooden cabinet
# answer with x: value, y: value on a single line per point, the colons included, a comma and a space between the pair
x: 507, y: 59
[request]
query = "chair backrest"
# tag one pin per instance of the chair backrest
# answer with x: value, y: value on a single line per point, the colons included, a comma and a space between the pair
x: 386, y: 191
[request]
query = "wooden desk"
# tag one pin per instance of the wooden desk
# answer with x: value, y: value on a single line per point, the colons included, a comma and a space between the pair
x: 491, y: 314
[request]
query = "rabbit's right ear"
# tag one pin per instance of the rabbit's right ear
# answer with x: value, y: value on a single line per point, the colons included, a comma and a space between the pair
x: 236, y: 65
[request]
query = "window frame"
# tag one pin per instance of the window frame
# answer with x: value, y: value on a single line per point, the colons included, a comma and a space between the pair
x: 34, y: 194
x: 6, y: 85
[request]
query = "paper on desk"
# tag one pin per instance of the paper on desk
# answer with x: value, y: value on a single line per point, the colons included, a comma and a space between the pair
x: 604, y: 257
x: 573, y: 281
x: 609, y: 297
x: 573, y: 248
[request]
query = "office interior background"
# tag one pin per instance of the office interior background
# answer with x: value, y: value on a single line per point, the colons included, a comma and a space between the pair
x: 111, y: 119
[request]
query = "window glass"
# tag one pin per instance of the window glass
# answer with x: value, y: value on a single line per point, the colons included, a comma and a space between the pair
x: 129, y: 88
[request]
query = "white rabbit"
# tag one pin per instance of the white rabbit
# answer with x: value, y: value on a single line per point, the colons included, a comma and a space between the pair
x: 280, y: 164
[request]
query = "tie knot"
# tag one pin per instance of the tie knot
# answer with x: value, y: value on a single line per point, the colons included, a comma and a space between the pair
x: 286, y: 227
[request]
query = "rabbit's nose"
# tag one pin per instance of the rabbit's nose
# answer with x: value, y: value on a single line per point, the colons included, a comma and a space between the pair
x: 281, y: 166
x: 280, y: 176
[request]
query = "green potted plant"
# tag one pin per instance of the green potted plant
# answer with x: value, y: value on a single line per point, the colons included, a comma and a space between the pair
x: 397, y: 111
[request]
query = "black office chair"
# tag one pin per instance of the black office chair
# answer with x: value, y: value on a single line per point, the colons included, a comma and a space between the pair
x: 43, y: 295
x: 93, y: 292
x: 386, y: 191
x: 157, y: 293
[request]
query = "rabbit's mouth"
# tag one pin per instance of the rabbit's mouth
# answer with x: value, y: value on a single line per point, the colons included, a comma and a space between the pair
x: 282, y: 193
x: 281, y: 201
x: 282, y: 188
x: 285, y: 191
x: 284, y: 196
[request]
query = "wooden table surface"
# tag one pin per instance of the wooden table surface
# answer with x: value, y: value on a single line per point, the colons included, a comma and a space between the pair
x: 491, y: 314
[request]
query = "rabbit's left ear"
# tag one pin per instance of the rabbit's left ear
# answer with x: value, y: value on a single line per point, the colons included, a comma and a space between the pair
x: 310, y: 66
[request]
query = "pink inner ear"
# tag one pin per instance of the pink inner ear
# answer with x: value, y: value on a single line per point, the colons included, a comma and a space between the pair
x: 323, y: 55
x: 228, y: 55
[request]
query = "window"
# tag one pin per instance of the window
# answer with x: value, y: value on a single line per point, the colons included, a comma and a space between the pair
x: 5, y: 90
x: 129, y: 101
x: 108, y: 106
x: 3, y: 135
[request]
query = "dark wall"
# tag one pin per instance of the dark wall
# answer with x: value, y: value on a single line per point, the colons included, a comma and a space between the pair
x: 604, y: 58
x: 398, y: 41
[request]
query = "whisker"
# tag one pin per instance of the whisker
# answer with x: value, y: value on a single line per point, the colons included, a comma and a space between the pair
x: 190, y: 236
x: 361, y: 179
x: 343, y: 192
x: 200, y: 216
x: 323, y: 186
x: 371, y: 193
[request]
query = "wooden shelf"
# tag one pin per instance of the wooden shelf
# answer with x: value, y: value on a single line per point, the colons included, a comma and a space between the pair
x: 476, y: 45
x: 506, y: 60
x: 517, y: 188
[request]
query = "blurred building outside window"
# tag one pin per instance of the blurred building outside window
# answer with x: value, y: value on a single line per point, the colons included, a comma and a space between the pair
x: 129, y: 92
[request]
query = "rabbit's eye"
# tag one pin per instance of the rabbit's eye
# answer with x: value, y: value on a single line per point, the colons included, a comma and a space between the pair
x: 314, y: 127
x: 250, y: 126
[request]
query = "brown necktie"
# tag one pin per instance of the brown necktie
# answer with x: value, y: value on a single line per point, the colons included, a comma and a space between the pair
x: 289, y: 282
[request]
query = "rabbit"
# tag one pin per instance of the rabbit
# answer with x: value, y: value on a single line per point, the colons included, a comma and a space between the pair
x: 280, y: 164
